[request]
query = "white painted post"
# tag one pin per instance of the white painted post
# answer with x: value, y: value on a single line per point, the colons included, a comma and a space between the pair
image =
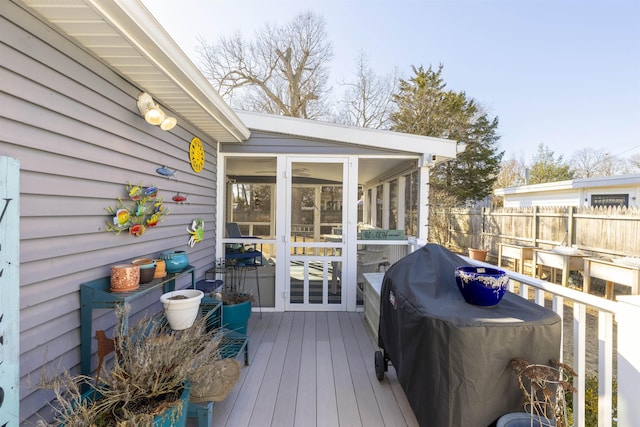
x: 423, y: 203
x: 628, y: 318
x: 9, y: 291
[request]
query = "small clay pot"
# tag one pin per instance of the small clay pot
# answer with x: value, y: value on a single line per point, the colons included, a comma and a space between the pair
x: 147, y: 273
x: 161, y: 271
x: 125, y: 277
x: 147, y: 269
x: 478, y: 254
x: 142, y: 261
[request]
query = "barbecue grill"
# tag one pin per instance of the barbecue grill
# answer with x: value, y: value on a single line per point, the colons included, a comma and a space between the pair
x: 452, y: 358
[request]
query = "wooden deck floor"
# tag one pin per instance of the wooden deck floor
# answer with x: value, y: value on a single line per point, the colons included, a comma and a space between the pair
x: 312, y: 369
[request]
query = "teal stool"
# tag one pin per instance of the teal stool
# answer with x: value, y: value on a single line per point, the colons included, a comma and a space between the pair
x: 202, y: 412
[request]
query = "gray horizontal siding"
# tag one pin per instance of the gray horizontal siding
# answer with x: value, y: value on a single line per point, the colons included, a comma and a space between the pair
x: 262, y: 142
x: 74, y: 127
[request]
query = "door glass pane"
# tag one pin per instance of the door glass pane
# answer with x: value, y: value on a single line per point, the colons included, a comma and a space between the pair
x: 303, y: 211
x: 251, y: 208
x: 331, y: 208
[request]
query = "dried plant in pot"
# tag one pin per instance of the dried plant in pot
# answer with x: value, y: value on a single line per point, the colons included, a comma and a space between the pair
x: 544, y: 388
x: 236, y: 301
x: 232, y: 290
x: 152, y: 366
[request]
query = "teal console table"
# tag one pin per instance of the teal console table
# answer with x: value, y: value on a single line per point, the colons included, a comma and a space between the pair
x: 96, y: 295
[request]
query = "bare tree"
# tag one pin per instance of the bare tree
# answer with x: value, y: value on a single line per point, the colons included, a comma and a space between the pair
x: 283, y: 71
x: 589, y: 163
x: 634, y: 163
x: 512, y: 173
x: 367, y: 101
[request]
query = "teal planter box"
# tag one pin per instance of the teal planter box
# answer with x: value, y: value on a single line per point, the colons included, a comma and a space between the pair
x: 236, y: 316
x: 169, y: 417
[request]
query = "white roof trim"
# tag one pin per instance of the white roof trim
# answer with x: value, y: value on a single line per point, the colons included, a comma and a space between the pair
x: 442, y: 148
x: 177, y: 64
x: 123, y: 31
x: 606, y: 181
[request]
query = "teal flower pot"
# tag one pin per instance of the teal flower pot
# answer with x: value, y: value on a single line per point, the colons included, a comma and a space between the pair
x: 236, y: 316
x: 175, y: 261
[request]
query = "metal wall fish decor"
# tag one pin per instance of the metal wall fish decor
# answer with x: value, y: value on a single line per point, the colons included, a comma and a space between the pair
x: 179, y: 198
x: 145, y: 211
x: 169, y: 173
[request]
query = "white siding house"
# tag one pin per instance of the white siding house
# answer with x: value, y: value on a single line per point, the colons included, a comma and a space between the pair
x: 619, y: 190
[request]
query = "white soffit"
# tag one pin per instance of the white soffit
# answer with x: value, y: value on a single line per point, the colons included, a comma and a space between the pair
x: 124, y: 35
x: 443, y: 148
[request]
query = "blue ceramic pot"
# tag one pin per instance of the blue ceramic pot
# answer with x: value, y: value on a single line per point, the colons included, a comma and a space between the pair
x: 175, y: 261
x: 483, y: 286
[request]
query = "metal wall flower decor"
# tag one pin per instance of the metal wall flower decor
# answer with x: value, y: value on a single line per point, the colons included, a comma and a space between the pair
x: 144, y: 210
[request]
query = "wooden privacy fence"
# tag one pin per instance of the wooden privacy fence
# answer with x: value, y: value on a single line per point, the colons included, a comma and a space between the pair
x: 606, y: 231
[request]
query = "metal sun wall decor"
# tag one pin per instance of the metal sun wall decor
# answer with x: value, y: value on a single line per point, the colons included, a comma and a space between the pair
x: 146, y: 211
x: 196, y: 155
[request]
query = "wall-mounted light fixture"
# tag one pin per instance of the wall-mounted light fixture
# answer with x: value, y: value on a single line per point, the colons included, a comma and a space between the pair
x: 153, y: 114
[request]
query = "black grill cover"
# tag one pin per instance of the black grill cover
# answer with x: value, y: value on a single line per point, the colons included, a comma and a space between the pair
x: 452, y: 358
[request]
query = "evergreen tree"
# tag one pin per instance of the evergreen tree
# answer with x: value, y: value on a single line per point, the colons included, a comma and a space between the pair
x: 547, y: 168
x: 425, y: 107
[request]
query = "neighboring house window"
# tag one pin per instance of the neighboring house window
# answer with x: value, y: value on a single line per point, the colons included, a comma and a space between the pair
x: 621, y: 200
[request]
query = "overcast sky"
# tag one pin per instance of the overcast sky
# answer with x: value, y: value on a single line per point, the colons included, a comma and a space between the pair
x: 565, y: 73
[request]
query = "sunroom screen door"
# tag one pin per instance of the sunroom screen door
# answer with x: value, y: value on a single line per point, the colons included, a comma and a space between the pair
x: 314, y: 241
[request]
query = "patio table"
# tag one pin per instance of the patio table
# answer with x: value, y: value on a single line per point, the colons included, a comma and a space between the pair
x: 611, y: 272
x: 453, y: 358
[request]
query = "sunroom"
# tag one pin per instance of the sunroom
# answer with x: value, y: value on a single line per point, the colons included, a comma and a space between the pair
x: 324, y: 204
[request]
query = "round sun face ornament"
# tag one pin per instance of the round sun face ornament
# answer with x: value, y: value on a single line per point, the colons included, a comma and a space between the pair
x: 196, y: 154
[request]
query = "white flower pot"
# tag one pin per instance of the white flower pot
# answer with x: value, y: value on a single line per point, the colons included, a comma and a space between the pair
x: 181, y: 307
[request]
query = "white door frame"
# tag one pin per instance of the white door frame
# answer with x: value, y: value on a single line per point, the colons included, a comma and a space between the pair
x: 349, y: 234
